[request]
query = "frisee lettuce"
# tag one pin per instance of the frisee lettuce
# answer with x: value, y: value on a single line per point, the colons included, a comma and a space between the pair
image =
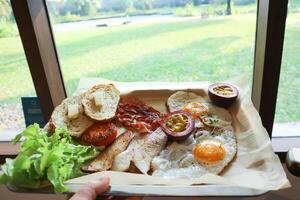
x: 44, y: 160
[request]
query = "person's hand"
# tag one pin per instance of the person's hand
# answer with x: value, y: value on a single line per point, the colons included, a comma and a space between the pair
x: 91, y: 190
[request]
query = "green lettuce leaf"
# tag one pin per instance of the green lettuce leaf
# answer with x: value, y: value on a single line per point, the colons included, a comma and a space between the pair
x: 44, y: 160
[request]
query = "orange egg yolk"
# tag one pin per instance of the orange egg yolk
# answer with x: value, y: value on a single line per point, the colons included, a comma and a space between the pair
x: 209, y: 152
x: 196, y: 109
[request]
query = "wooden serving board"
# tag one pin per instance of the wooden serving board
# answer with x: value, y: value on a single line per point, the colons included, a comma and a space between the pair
x: 256, y: 181
x: 178, y: 191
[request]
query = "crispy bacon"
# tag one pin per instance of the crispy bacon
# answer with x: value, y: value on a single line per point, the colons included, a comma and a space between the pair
x: 137, y: 115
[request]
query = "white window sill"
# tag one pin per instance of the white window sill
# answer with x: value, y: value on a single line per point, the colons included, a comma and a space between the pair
x: 288, y: 129
x: 6, y: 135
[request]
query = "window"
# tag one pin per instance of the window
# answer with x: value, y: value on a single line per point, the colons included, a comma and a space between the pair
x: 287, y: 118
x: 134, y: 40
x: 154, y: 40
x: 15, y: 78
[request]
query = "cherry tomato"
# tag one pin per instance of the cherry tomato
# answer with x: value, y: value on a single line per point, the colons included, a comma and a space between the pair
x: 100, y: 134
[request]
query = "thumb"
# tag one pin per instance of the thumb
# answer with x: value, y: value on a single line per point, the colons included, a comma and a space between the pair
x: 92, y: 189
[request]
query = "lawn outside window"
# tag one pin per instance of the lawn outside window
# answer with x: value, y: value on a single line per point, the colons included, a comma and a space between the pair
x: 15, y: 79
x: 289, y: 126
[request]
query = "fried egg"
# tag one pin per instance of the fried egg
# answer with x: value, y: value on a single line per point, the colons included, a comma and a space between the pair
x: 219, y: 116
x: 210, y: 152
x: 211, y: 115
x: 181, y: 98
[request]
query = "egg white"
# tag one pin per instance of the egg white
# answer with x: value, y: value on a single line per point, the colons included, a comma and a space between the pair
x: 178, y: 161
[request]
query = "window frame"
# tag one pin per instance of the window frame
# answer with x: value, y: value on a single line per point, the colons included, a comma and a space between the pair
x: 37, y: 37
x: 270, y: 27
x: 36, y: 34
x: 269, y: 41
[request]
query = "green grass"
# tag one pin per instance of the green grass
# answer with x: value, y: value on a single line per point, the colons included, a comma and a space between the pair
x: 7, y: 29
x: 191, y: 50
x: 166, y: 51
x: 288, y: 102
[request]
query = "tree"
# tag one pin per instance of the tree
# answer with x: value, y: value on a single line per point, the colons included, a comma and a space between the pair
x: 116, y: 5
x: 149, y: 4
x: 143, y: 4
x: 88, y: 8
x: 80, y: 7
x: 228, y: 9
x: 5, y: 10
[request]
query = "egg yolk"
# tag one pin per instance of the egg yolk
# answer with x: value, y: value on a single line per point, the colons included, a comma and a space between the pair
x: 196, y: 109
x: 209, y: 152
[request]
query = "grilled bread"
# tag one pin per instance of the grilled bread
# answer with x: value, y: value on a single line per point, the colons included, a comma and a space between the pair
x: 105, y: 159
x: 70, y: 114
x: 101, y: 101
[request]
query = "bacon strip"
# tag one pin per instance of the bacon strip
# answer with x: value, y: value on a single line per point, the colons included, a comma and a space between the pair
x: 137, y: 115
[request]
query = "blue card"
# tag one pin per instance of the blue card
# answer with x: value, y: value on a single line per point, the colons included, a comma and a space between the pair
x: 32, y: 111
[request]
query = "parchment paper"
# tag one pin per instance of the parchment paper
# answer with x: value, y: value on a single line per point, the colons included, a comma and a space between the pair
x: 256, y: 166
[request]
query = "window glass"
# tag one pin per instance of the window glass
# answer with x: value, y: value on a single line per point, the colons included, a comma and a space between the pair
x: 15, y: 79
x: 287, y: 117
x: 155, y: 40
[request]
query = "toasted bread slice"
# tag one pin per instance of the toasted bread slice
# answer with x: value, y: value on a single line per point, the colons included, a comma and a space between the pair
x: 101, y: 101
x: 140, y: 152
x: 47, y: 128
x: 152, y: 146
x: 70, y: 114
x: 179, y: 99
x: 105, y: 159
x: 123, y: 160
